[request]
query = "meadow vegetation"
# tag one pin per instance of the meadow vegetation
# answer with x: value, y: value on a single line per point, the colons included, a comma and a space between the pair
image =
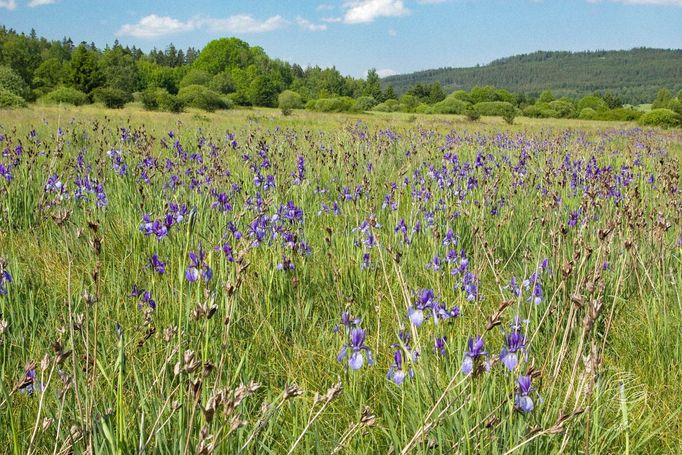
x: 244, y: 281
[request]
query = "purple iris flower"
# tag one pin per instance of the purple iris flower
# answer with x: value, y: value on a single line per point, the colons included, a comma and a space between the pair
x: 4, y: 172
x: 198, y: 267
x: 440, y: 345
x: 522, y: 401
x: 474, y: 355
x: 5, y: 279
x: 145, y: 297
x: 396, y: 372
x: 227, y: 251
x: 222, y: 203
x: 157, y: 264
x: 355, y: 347
x: 348, y: 322
x: 515, y: 342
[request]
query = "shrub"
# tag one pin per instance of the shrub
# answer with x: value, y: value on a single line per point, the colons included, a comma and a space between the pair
x: 9, y: 99
x: 471, y: 113
x: 495, y: 108
x: 621, y: 114
x: 391, y: 105
x: 364, y: 103
x: 564, y: 108
x: 195, y: 77
x: 450, y: 105
x: 593, y: 102
x: 340, y: 104
x: 408, y: 103
x: 13, y: 83
x: 150, y: 98
x: 201, y: 97
x: 66, y: 95
x: 423, y: 108
x: 462, y: 96
x: 112, y: 98
x: 222, y: 83
x: 664, y: 118
x: 170, y: 103
x: 288, y: 100
x: 588, y: 114
x: 540, y: 110
x: 676, y: 106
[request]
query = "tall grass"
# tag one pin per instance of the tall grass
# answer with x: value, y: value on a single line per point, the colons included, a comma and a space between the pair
x: 246, y: 362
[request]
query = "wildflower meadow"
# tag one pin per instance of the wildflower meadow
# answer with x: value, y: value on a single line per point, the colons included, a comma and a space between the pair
x: 249, y: 282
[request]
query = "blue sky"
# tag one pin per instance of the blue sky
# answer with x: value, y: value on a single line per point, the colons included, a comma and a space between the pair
x: 394, y: 36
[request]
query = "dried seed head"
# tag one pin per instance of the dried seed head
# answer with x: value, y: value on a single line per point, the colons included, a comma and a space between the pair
x: 367, y: 418
x: 292, y: 391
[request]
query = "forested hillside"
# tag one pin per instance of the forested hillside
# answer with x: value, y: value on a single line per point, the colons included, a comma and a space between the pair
x: 635, y: 75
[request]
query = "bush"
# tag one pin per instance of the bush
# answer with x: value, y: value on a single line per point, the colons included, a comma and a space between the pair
x: 112, y: 98
x: 408, y: 103
x: 495, y: 108
x: 170, y: 103
x: 201, y: 97
x: 340, y: 104
x: 423, y: 108
x: 593, y: 102
x: 195, y: 77
x: 540, y: 110
x: 364, y: 103
x: 9, y: 99
x: 563, y: 108
x: 472, y: 114
x: 66, y: 95
x: 222, y: 83
x: 13, y: 83
x: 391, y: 105
x: 676, y: 106
x: 588, y: 114
x: 450, y: 105
x: 150, y: 98
x: 462, y: 96
x: 621, y: 114
x: 288, y: 100
x: 664, y: 118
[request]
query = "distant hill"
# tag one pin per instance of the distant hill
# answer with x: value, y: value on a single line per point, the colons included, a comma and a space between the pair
x: 634, y: 75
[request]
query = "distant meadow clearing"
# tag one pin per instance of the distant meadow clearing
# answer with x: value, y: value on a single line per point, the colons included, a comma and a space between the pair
x: 248, y: 282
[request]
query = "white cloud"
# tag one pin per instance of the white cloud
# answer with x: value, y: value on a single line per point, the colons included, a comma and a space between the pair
x: 386, y: 72
x: 153, y: 26
x: 643, y: 2
x: 363, y: 11
x: 392, y: 32
x: 34, y: 3
x: 241, y: 23
x: 8, y: 4
x: 309, y: 26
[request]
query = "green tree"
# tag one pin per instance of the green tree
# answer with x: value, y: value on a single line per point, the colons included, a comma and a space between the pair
x: 289, y: 100
x: 120, y: 70
x: 48, y: 75
x: 372, y: 84
x: 83, y: 71
x: 12, y: 82
x: 225, y: 53
x: 546, y: 97
x: 662, y: 99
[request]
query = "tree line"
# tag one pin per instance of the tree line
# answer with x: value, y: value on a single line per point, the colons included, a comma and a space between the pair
x: 229, y: 72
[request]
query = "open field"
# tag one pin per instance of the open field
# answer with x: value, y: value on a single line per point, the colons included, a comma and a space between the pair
x: 246, y: 282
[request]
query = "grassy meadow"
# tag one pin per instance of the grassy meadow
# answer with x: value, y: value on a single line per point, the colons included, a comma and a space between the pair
x: 248, y: 282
